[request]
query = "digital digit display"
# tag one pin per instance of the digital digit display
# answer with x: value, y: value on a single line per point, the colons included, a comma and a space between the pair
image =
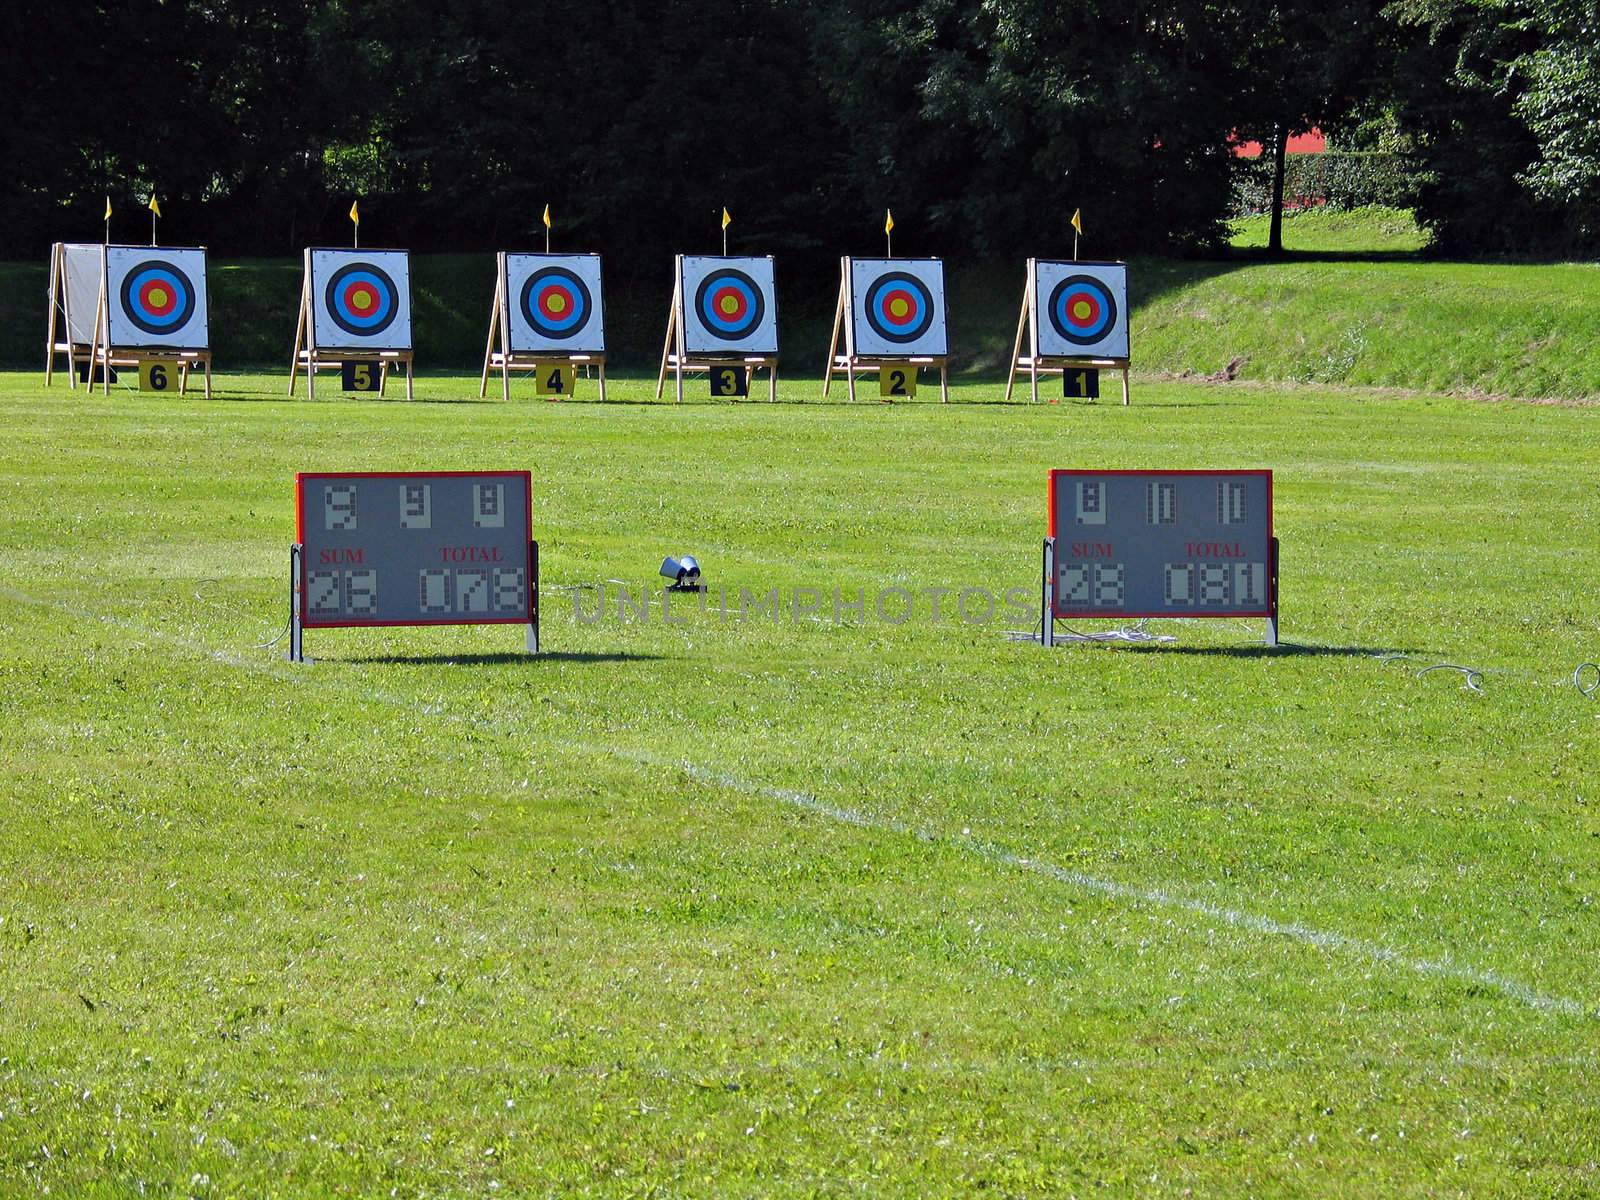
x: 1161, y: 543
x: 421, y: 548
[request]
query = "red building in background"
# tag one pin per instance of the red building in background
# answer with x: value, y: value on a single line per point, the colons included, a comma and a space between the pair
x: 1300, y: 143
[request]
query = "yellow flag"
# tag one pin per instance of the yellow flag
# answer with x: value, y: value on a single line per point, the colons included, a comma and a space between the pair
x: 155, y: 205
x: 888, y: 221
x: 107, y: 217
x: 355, y: 212
x: 547, y: 216
x: 726, y: 219
x: 1077, y: 219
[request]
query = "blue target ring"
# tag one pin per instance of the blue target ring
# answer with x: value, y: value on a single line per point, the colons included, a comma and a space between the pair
x: 157, y: 297
x: 1082, y: 309
x: 729, y: 304
x: 362, y: 299
x: 555, y: 303
x: 899, y: 307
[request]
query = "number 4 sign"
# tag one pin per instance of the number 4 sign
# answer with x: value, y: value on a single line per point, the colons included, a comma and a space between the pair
x: 554, y: 378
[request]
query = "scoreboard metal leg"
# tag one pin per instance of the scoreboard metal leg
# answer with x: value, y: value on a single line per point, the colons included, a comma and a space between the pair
x: 1272, y: 584
x: 296, y: 583
x: 1047, y: 615
x: 533, y: 623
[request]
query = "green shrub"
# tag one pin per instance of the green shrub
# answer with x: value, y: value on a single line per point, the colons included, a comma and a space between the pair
x: 1339, y: 179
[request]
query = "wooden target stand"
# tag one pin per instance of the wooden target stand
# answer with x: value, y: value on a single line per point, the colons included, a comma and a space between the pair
x: 1038, y: 364
x: 98, y: 353
x: 509, y: 360
x: 850, y: 364
x: 309, y: 358
x: 675, y: 356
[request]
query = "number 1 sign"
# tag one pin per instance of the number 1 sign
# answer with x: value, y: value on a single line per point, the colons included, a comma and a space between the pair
x: 413, y: 548
x: 1160, y: 544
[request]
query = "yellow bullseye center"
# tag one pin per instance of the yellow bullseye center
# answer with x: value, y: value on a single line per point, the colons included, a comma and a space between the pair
x: 899, y: 308
x: 158, y: 298
x: 1082, y: 309
x: 729, y: 305
x: 362, y: 299
x: 556, y: 304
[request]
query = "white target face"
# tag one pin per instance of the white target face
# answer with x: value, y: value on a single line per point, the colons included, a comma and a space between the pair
x: 554, y: 303
x: 730, y: 305
x: 82, y: 266
x: 361, y: 299
x: 1079, y: 309
x: 157, y: 297
x: 897, y: 307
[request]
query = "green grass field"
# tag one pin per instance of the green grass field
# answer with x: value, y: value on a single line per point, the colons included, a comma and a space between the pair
x: 798, y: 908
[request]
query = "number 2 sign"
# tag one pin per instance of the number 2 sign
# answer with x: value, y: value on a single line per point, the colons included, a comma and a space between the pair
x: 897, y: 381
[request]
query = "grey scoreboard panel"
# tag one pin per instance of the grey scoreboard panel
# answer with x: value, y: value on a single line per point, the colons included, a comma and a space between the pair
x: 416, y: 548
x: 1162, y: 543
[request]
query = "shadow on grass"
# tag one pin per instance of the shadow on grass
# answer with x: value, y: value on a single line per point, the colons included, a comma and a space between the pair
x: 496, y: 660
x: 1253, y: 650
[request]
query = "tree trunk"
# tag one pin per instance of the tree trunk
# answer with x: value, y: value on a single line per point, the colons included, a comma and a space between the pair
x: 1280, y: 146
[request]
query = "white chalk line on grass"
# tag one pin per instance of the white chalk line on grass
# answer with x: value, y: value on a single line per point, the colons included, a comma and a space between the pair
x: 1441, y: 968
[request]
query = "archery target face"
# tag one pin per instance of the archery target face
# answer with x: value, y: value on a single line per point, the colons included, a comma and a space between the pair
x: 1080, y: 309
x: 555, y: 303
x: 361, y: 299
x: 897, y: 307
x: 157, y: 297
x: 729, y: 305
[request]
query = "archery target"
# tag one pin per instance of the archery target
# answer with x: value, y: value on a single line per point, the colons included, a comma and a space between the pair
x: 158, y: 297
x: 555, y: 303
x: 1080, y: 310
x: 361, y: 299
x: 897, y: 307
x: 730, y: 305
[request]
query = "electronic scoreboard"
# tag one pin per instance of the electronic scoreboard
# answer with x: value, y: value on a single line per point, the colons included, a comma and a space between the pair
x: 413, y: 548
x: 1160, y: 544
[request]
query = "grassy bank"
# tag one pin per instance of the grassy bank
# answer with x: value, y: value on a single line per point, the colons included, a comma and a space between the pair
x: 1354, y: 305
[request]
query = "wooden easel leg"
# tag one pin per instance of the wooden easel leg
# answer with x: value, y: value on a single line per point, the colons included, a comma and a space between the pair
x: 206, y: 362
x: 311, y: 374
x: 1016, y: 347
x: 183, y: 378
x: 1034, y: 380
x: 944, y: 383
x: 411, y: 376
x: 833, y: 342
x: 1124, y: 387
x: 488, y: 349
x: 294, y: 355
x: 666, y: 347
x: 601, y: 367
x: 850, y: 378
x: 50, y: 333
x: 772, y: 382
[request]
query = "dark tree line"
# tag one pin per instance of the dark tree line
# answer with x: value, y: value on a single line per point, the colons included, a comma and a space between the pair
x: 981, y: 125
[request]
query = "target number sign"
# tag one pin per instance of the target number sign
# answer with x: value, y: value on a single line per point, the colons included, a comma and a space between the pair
x: 897, y: 381
x: 415, y: 548
x: 730, y: 305
x: 729, y: 381
x: 554, y: 303
x: 158, y: 374
x: 157, y: 297
x: 1162, y: 543
x: 1079, y: 309
x: 897, y: 307
x: 360, y: 299
x: 1081, y: 383
x: 360, y: 375
x: 554, y: 378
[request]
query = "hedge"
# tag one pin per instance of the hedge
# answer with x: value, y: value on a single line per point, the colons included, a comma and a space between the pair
x: 1339, y: 179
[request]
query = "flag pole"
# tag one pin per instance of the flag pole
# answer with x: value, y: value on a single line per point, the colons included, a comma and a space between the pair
x: 154, y: 213
x: 108, y: 221
x: 726, y: 221
x: 547, y: 228
x: 888, y: 232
